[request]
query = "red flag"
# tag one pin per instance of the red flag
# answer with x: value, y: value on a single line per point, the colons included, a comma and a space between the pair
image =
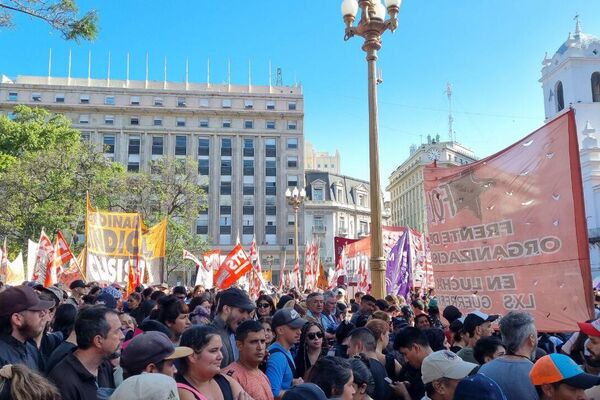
x: 296, y: 279
x: 62, y: 255
x: 236, y: 265
x: 189, y: 256
x: 43, y: 261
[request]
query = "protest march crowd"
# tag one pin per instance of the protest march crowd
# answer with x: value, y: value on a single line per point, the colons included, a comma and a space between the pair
x: 91, y: 341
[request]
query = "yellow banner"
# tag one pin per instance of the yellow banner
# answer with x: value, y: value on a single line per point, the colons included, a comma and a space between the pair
x: 154, y: 248
x: 267, y: 275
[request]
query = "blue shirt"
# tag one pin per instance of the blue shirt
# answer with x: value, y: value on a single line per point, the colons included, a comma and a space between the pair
x: 278, y: 369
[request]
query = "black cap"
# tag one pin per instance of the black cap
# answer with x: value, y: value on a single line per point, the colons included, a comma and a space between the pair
x: 21, y: 298
x: 476, y: 318
x: 78, y: 283
x: 305, y: 391
x: 287, y: 316
x: 234, y: 297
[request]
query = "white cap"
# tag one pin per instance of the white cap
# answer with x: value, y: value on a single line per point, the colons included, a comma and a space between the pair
x: 445, y: 364
x: 147, y: 387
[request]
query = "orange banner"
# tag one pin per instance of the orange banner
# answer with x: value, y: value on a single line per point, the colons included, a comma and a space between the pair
x: 508, y: 232
x: 236, y: 265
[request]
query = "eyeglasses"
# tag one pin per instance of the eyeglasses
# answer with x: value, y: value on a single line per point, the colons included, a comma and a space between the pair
x: 264, y: 305
x: 315, y: 335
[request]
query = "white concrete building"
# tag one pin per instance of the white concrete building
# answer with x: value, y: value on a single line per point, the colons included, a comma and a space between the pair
x: 571, y: 78
x: 320, y: 160
x: 248, y: 141
x: 406, y: 188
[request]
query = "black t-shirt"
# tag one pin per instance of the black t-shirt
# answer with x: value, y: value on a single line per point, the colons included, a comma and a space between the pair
x: 416, y: 389
x: 382, y: 388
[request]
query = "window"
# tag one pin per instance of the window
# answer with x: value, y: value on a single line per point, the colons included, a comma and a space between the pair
x: 109, y: 144
x: 59, y: 98
x: 248, y: 104
x: 318, y: 222
x: 292, y: 143
x: 226, y: 147
x: 226, y: 103
x: 85, y: 137
x: 181, y: 102
x: 270, y: 148
x: 202, y: 229
x: 134, y: 121
x: 225, y: 229
x: 364, y: 227
x: 248, y: 124
x: 180, y: 121
x: 158, y: 101
x: 84, y: 99
x: 37, y: 97
x: 109, y: 100
x: 203, y: 146
x: 203, y: 123
x: 13, y: 96
x: 291, y: 220
x: 225, y: 168
x: 248, y: 210
x: 157, y: 145
x: 226, y: 123
x: 270, y: 188
x: 180, y: 145
x: 318, y: 194
x: 135, y: 100
x: 204, y: 103
x: 203, y: 168
x: 134, y: 145
x: 157, y: 121
x: 596, y: 87
x: 248, y: 188
x: 292, y: 180
x: 270, y: 124
x: 292, y: 125
x: 270, y: 168
x: 560, y: 99
x: 84, y: 119
x: 271, y: 210
x: 270, y: 105
x: 248, y: 148
x: 292, y: 105
x: 133, y: 166
x: 225, y: 189
x: 109, y: 119
x: 248, y: 229
x: 292, y: 162
x: 248, y: 167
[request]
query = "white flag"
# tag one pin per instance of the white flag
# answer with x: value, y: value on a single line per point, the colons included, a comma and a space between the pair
x: 31, y: 256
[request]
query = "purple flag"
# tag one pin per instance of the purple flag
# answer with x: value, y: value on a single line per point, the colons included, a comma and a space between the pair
x: 397, y: 274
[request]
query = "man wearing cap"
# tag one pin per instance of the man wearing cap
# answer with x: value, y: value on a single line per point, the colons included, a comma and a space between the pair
x: 441, y: 371
x: 287, y: 325
x: 233, y: 307
x: 78, y: 290
x: 478, y: 387
x: 22, y: 318
x: 557, y: 377
x: 476, y: 325
x: 592, y: 346
x: 151, y: 352
x: 147, y: 387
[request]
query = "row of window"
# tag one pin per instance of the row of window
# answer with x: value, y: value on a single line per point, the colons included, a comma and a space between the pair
x: 157, y: 101
x: 182, y: 122
x: 560, y: 97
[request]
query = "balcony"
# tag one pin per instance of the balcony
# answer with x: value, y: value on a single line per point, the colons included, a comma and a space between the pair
x: 342, y: 231
x: 362, y: 234
x: 319, y: 229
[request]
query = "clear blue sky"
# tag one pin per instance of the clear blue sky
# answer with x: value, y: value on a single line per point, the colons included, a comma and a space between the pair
x: 491, y: 51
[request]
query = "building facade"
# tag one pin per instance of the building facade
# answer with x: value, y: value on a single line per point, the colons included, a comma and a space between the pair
x: 407, y: 192
x: 336, y: 205
x: 248, y: 141
x: 320, y: 160
x: 571, y: 78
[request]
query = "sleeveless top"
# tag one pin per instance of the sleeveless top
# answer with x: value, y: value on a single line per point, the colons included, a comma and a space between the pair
x: 223, y: 383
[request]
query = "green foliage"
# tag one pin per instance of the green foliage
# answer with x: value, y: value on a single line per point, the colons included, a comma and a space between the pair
x: 61, y: 15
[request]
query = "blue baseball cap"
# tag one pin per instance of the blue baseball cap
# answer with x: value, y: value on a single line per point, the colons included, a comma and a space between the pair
x: 478, y: 387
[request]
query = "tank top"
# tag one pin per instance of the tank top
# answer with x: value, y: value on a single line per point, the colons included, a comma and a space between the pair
x: 222, y: 382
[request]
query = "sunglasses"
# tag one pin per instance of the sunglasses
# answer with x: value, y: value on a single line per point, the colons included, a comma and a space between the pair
x: 264, y: 305
x: 315, y: 335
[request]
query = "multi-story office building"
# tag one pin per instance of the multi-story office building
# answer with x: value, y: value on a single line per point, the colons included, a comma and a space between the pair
x: 407, y: 192
x: 248, y: 141
x: 336, y: 205
x: 320, y: 160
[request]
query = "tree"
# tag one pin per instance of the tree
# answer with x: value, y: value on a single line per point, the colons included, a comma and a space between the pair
x: 62, y: 15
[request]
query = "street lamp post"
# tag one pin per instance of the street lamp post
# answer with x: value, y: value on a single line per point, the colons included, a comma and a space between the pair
x: 295, y: 199
x: 370, y: 27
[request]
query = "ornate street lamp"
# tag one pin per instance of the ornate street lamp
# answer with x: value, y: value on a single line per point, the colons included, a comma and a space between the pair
x: 370, y: 27
x: 295, y: 199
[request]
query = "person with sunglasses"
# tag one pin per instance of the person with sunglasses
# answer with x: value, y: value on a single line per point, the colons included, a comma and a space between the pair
x: 310, y: 348
x: 265, y: 307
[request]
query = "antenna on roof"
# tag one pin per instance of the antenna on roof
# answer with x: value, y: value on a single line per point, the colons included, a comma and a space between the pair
x: 108, y: 72
x: 89, y: 66
x: 165, y: 79
x: 49, y: 63
x: 69, y: 69
x: 249, y: 76
x: 127, y: 78
x: 208, y: 73
x: 450, y: 118
x: 279, y: 81
x: 187, y: 73
x: 146, y: 83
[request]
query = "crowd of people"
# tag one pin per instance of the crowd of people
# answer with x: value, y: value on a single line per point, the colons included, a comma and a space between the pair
x: 91, y: 341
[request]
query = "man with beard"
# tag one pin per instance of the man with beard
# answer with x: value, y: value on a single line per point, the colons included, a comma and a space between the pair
x: 511, y: 371
x: 251, y: 343
x: 287, y: 325
x: 233, y: 307
x: 87, y: 371
x: 22, y: 318
x: 592, y: 346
